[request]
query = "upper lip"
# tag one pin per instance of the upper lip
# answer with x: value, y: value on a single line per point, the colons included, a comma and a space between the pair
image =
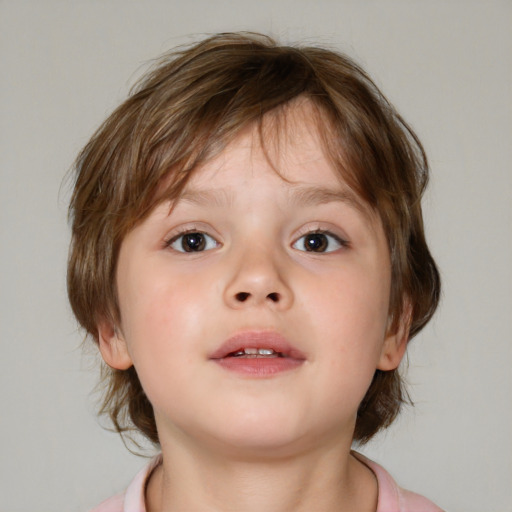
x: 257, y: 339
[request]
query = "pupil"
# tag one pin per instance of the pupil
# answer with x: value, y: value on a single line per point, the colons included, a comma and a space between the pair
x: 316, y: 242
x: 193, y: 242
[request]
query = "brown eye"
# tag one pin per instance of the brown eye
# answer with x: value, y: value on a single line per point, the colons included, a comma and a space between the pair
x: 319, y: 242
x: 316, y: 242
x: 193, y: 242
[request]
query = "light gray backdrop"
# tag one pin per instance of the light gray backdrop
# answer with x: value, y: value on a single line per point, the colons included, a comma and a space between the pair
x: 446, y: 65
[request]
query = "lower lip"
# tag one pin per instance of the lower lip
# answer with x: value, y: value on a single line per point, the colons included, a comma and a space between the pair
x: 259, y: 366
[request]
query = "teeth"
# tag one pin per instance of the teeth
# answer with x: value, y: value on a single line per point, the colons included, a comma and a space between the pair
x: 251, y: 351
x: 265, y: 351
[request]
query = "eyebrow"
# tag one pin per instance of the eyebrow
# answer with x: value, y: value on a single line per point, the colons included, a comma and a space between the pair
x: 208, y: 197
x: 298, y: 195
x: 312, y: 196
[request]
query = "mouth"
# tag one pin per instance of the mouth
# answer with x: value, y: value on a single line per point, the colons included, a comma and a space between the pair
x: 258, y: 354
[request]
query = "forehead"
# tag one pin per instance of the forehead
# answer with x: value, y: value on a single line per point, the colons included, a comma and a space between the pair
x: 286, y: 141
x: 287, y: 150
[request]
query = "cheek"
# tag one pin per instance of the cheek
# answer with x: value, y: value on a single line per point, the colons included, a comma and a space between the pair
x: 353, y: 304
x: 350, y: 317
x: 157, y: 316
x: 155, y: 328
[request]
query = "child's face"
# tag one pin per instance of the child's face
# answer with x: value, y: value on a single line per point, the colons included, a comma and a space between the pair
x: 244, y: 272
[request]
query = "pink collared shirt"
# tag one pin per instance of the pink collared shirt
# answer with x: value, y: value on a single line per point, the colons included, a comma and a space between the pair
x: 391, y: 497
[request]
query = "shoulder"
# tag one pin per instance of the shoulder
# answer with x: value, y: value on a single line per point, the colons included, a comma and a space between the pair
x: 113, y: 504
x: 393, y: 498
x: 412, y: 502
x: 132, y: 500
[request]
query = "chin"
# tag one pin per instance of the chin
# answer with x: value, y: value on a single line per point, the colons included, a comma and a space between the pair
x: 247, y: 433
x: 266, y: 435
x: 254, y: 445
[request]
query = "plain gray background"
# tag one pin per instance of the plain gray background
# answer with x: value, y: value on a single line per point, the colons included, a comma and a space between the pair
x: 446, y: 65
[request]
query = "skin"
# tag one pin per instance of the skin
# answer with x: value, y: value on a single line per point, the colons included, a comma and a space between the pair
x: 229, y: 441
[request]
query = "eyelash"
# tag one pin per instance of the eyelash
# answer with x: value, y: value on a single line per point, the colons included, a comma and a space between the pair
x: 180, y: 235
x: 340, y: 241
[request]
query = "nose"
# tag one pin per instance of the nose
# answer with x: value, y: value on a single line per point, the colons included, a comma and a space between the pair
x: 257, y: 278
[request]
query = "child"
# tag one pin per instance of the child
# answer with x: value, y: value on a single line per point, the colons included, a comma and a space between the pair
x: 248, y: 253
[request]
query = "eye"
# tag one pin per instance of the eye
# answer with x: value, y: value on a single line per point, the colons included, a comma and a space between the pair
x: 193, y: 241
x: 319, y: 241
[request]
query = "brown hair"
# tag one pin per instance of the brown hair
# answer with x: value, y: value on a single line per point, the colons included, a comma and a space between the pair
x: 194, y: 102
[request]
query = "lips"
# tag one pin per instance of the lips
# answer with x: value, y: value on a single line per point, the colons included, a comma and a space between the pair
x: 258, y: 340
x: 258, y: 354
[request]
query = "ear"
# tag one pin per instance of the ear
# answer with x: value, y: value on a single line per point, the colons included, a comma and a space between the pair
x: 113, y: 347
x: 395, y: 344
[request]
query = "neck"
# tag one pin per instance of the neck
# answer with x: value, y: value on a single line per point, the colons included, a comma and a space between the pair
x: 327, y: 480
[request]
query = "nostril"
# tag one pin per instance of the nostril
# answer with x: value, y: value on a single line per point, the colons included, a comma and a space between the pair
x: 242, y: 296
x: 274, y: 297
